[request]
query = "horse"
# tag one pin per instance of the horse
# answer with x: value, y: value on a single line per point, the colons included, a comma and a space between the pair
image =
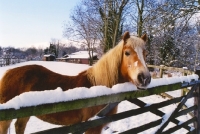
x: 123, y: 63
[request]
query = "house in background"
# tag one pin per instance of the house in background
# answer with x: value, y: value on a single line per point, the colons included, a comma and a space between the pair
x: 81, y: 57
x: 49, y: 57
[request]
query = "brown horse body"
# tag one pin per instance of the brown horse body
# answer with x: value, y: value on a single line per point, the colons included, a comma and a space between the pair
x: 122, y: 67
x: 44, y: 79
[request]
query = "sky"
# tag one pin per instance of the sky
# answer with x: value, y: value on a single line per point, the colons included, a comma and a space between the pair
x: 33, y: 23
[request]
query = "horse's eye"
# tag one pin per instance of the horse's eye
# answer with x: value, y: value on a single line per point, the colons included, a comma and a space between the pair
x: 127, y: 53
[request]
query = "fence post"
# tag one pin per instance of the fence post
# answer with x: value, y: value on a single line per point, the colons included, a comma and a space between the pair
x: 161, y: 71
x: 197, y: 102
x: 184, y: 90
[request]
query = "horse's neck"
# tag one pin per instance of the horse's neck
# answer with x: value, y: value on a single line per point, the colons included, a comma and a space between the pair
x: 81, y: 80
x: 122, y: 79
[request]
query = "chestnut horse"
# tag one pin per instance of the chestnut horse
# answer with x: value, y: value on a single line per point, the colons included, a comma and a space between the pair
x: 123, y: 63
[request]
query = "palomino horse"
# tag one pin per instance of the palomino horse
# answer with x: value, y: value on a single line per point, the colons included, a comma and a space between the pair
x: 123, y: 63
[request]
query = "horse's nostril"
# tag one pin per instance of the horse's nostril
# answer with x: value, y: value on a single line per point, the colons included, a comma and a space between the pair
x: 141, y: 77
x: 144, y: 80
x: 148, y: 80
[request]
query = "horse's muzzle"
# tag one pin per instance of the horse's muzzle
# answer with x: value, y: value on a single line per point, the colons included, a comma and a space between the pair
x: 144, y: 79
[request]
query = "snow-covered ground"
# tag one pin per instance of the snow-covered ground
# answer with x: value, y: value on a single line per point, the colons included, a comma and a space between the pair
x: 35, y: 124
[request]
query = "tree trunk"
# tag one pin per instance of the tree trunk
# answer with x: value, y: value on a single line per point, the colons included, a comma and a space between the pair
x: 140, y: 17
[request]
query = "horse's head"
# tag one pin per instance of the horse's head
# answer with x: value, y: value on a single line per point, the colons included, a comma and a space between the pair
x: 133, y: 66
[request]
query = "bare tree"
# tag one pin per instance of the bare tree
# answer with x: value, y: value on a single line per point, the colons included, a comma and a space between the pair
x: 105, y: 20
x: 83, y: 29
x: 197, y: 45
x: 167, y: 22
x: 168, y: 25
x: 111, y: 15
x: 140, y: 7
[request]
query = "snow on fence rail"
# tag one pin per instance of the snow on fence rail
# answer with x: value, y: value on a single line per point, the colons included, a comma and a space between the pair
x: 17, y: 107
x: 57, y: 95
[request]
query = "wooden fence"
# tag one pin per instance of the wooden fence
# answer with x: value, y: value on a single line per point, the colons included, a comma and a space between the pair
x: 112, y: 100
x: 163, y: 68
x: 9, y: 61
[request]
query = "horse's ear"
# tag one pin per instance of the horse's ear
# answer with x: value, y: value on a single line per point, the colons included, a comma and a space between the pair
x: 126, y: 36
x: 144, y: 37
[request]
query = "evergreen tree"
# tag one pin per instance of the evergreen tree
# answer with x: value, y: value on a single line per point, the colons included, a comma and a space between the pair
x: 52, y: 49
x: 168, y: 51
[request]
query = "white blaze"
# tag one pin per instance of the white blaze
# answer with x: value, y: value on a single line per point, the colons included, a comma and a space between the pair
x: 139, y: 52
x: 136, y: 63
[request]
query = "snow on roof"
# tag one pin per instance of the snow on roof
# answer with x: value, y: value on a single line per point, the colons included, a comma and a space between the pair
x: 48, y: 55
x: 80, y: 55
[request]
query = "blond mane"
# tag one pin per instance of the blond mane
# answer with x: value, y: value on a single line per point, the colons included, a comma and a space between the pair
x: 105, y: 71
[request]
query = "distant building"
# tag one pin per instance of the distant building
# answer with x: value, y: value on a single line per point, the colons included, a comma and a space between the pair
x: 49, y: 57
x: 81, y: 57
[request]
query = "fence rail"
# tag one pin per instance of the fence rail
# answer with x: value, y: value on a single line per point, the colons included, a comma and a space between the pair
x: 162, y: 68
x: 80, y: 128
x: 113, y: 99
x: 81, y: 103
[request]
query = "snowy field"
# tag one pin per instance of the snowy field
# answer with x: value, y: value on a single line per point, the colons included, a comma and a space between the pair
x: 35, y: 124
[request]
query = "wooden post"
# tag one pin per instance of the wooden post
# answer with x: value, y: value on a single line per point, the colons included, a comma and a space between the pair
x: 184, y: 90
x: 197, y: 102
x: 161, y: 71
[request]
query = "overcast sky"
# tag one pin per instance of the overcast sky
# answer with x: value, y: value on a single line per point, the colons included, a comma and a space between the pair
x: 27, y: 23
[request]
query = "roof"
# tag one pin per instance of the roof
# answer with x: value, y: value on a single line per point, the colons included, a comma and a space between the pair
x: 48, y: 55
x: 80, y: 55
